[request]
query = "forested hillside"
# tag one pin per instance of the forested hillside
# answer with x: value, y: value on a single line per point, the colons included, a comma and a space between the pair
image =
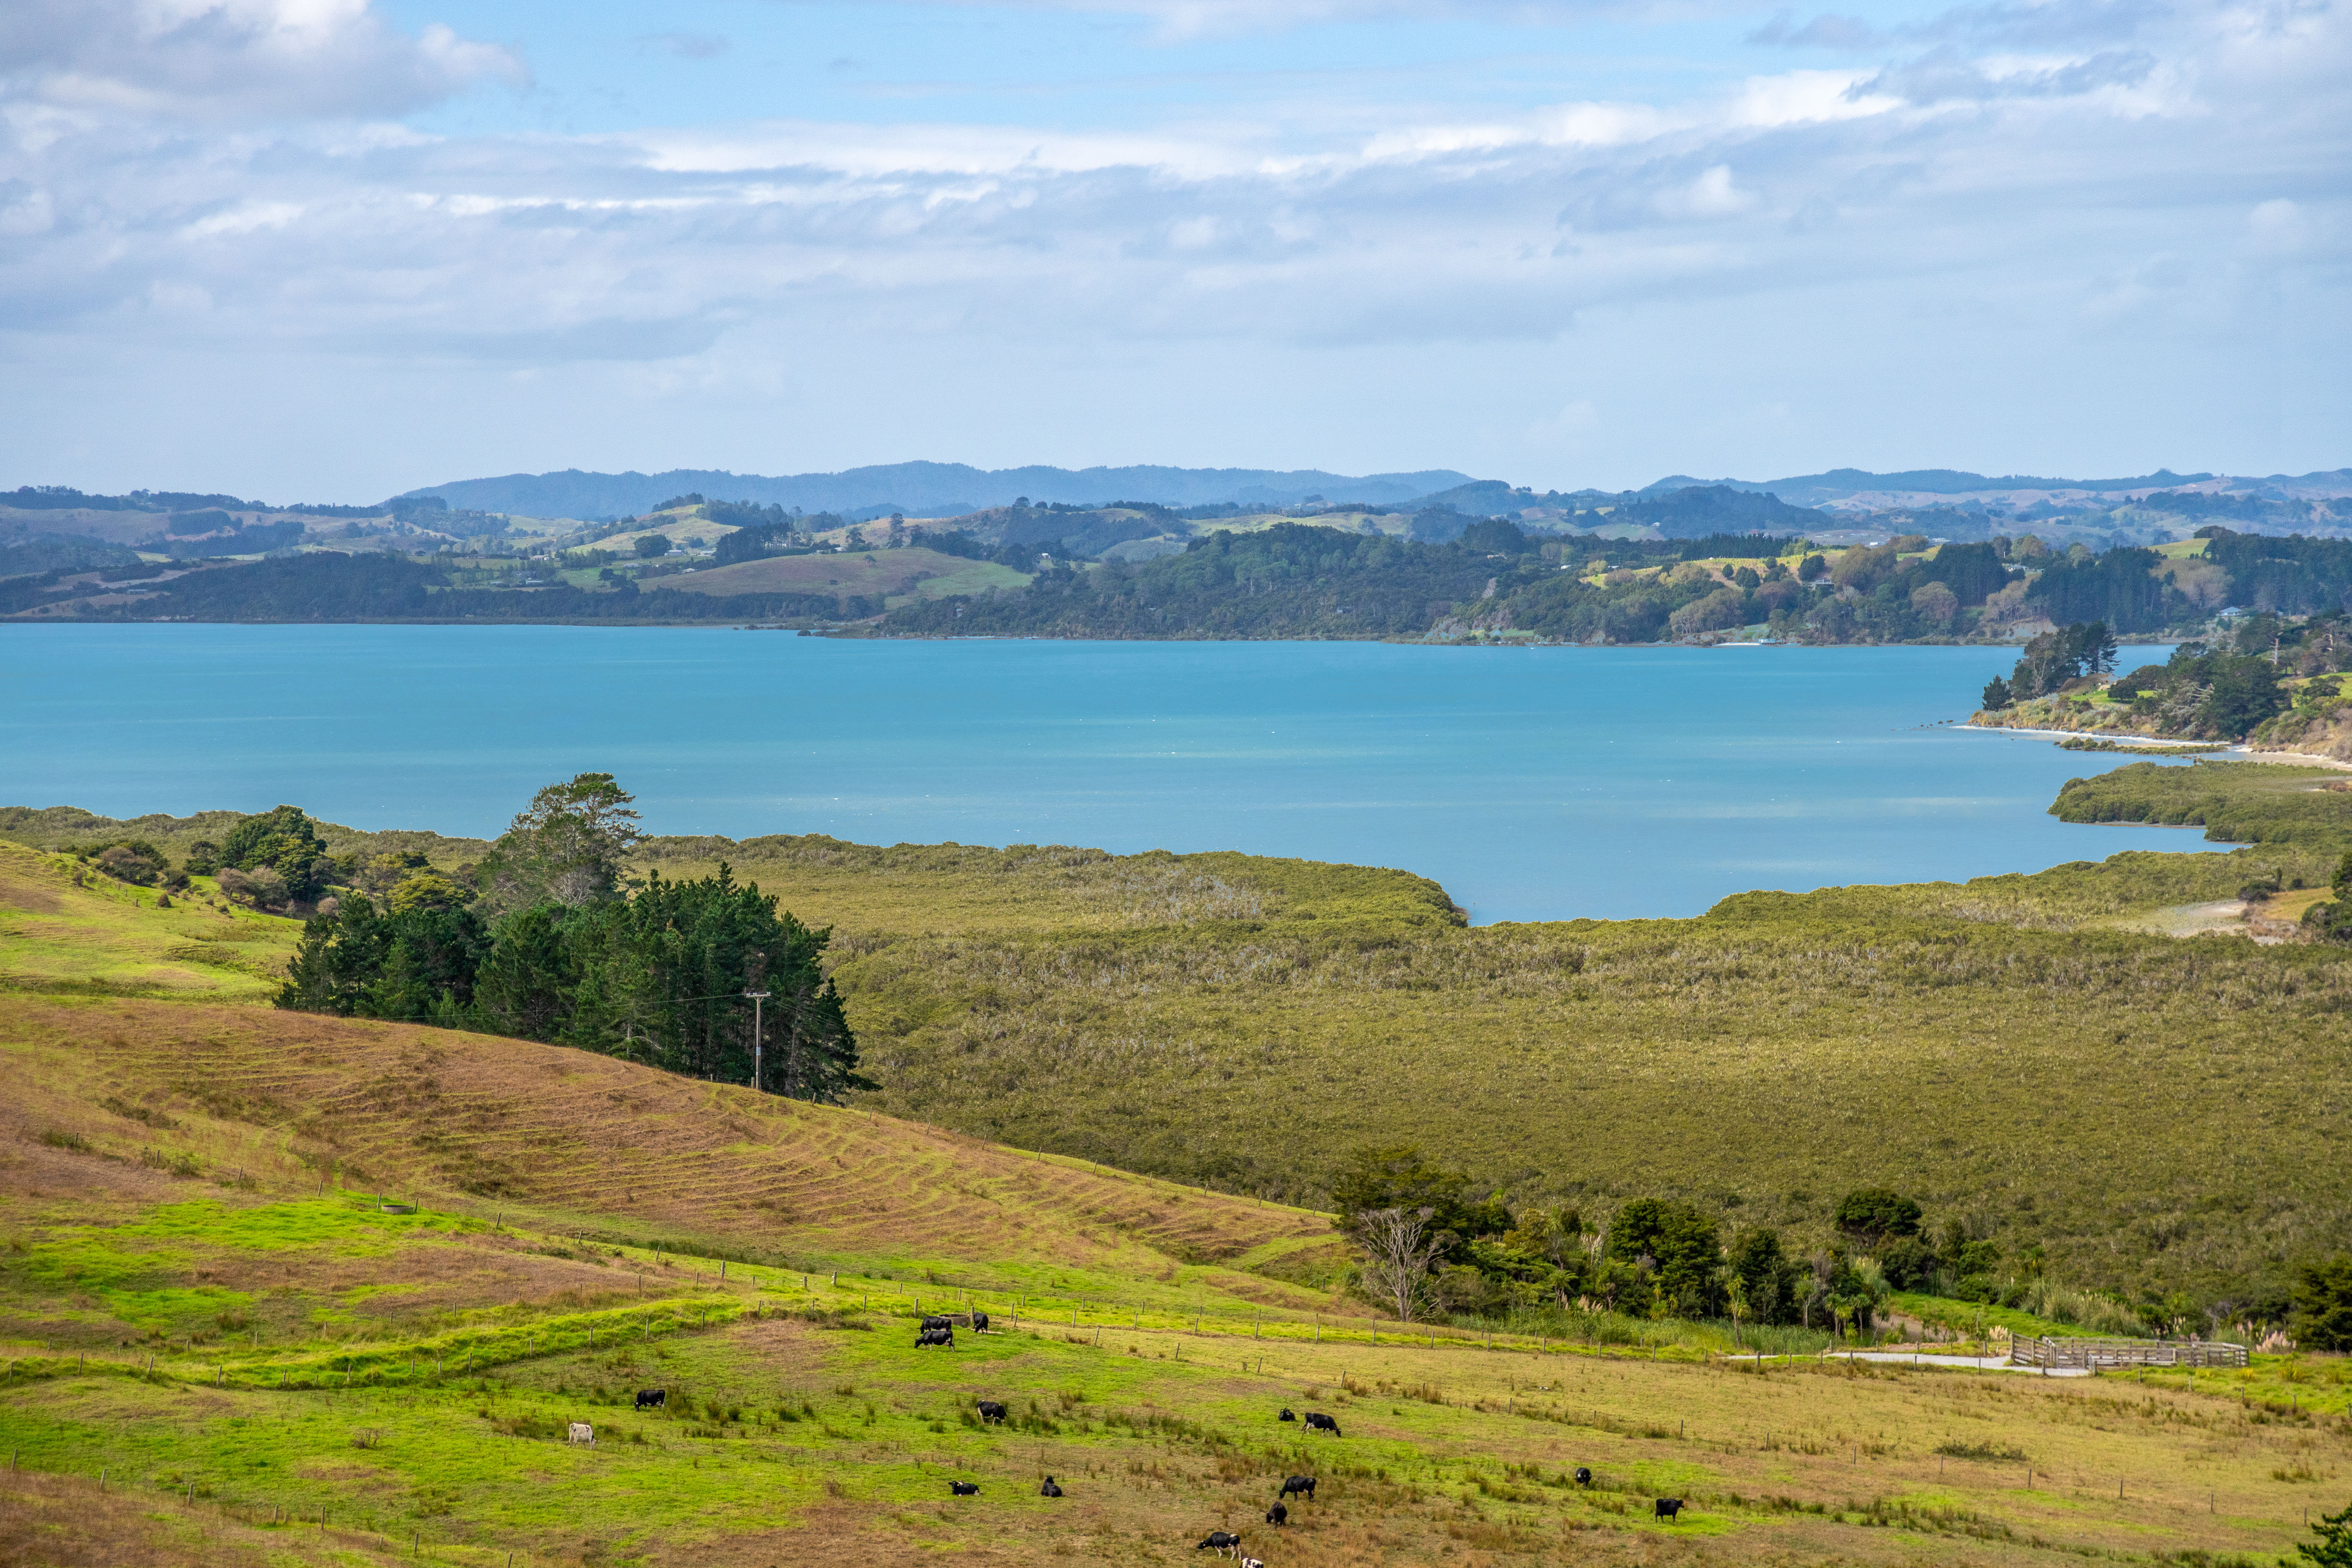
x: 1136, y: 569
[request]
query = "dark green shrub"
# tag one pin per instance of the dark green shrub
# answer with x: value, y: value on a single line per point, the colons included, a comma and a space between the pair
x: 2323, y: 1304
x: 1875, y: 1215
x: 1908, y: 1263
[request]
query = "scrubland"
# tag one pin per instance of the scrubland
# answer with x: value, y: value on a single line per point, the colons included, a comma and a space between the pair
x: 2156, y: 1113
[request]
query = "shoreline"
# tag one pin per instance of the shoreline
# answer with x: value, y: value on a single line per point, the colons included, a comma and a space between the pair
x: 2239, y: 754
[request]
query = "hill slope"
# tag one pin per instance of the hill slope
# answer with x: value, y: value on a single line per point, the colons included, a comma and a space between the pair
x: 222, y: 1349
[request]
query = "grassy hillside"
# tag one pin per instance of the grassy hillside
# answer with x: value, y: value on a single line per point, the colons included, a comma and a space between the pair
x: 63, y: 929
x: 222, y: 1349
x: 927, y: 573
x: 576, y: 1140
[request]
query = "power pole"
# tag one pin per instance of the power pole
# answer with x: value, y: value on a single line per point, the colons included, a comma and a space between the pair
x: 758, y: 997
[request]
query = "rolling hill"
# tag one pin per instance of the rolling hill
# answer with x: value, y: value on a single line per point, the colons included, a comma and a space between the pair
x: 281, y: 1289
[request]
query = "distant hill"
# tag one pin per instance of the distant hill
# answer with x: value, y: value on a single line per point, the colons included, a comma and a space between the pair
x: 932, y: 490
x: 1842, y: 484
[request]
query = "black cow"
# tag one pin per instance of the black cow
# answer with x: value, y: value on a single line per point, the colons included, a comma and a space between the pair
x: 1319, y: 1422
x: 1300, y: 1485
x: 1051, y: 1489
x: 1221, y: 1542
x: 930, y: 1323
x: 964, y: 1489
x: 1278, y: 1514
x: 1669, y: 1507
x: 1583, y: 1477
x: 990, y: 1410
x: 653, y: 1398
x: 980, y: 1322
x: 936, y: 1337
x: 1285, y: 1415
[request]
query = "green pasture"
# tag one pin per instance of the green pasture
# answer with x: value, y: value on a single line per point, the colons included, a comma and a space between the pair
x: 1157, y: 1438
x: 966, y: 577
x: 66, y: 928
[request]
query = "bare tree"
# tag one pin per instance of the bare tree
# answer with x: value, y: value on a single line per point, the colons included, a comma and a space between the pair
x: 1399, y: 1246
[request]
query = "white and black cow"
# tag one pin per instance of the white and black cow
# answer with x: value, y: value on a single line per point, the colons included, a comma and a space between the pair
x: 1319, y: 1422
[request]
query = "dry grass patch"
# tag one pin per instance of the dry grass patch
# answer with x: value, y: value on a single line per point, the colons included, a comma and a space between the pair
x: 565, y: 1139
x: 67, y: 1521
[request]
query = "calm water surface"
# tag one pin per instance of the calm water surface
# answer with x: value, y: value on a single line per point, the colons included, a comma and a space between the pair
x: 1535, y: 784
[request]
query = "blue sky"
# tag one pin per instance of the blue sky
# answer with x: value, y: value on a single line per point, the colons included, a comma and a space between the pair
x: 330, y: 249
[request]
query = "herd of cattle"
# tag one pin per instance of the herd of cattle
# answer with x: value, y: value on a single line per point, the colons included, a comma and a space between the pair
x: 1225, y: 1542
x: 940, y: 1331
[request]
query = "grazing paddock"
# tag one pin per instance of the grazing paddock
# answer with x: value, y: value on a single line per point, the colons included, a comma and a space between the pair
x: 912, y: 570
x: 786, y: 1425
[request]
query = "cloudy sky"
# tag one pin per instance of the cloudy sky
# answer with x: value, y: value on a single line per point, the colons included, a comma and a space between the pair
x: 328, y: 250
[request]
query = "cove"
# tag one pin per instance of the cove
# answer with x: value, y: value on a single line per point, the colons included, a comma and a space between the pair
x: 1533, y: 783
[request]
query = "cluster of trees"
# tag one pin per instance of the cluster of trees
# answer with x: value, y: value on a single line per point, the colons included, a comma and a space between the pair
x: 2211, y: 693
x: 1306, y: 580
x: 1290, y: 579
x: 546, y: 939
x: 2119, y: 588
x: 2332, y: 922
x: 761, y: 532
x: 2294, y: 576
x: 1699, y: 510
x: 328, y: 585
x: 273, y: 860
x: 2052, y: 662
x: 134, y: 860
x: 1429, y: 1247
x: 63, y: 498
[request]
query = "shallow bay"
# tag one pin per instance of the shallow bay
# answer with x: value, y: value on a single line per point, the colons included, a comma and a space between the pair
x: 1535, y: 784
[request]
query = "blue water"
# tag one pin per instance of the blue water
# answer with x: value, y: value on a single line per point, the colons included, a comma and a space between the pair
x: 1534, y: 784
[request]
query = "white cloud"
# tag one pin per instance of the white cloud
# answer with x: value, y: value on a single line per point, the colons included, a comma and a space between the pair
x: 1710, y: 195
x: 1980, y: 187
x: 232, y: 60
x: 1225, y: 19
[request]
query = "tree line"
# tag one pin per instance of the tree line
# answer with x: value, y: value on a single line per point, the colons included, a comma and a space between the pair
x: 2218, y: 690
x: 1431, y: 1247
